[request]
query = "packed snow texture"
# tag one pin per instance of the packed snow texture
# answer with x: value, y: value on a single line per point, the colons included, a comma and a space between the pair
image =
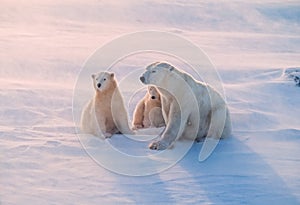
x: 43, y: 47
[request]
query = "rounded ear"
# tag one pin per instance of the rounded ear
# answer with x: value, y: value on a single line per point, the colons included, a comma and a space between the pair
x: 93, y: 76
x: 112, y: 75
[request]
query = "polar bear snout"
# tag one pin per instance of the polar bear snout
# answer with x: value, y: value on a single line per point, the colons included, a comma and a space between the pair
x: 142, y: 79
x: 98, y: 85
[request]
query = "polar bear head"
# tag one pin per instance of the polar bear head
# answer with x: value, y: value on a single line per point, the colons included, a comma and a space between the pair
x: 153, y: 92
x: 156, y: 73
x: 103, y: 81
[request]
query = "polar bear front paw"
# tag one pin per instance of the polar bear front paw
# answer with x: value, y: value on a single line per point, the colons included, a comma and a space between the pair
x: 107, y: 135
x: 136, y: 127
x: 158, y: 145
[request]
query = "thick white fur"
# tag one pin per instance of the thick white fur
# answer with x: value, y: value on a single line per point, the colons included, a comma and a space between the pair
x: 105, y: 114
x: 191, y: 109
x: 148, y: 112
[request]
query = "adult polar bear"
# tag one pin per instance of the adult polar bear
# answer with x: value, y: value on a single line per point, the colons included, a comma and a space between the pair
x: 191, y: 109
x: 105, y: 114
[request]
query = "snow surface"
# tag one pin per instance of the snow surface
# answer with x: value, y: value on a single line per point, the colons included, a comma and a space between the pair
x: 43, y: 46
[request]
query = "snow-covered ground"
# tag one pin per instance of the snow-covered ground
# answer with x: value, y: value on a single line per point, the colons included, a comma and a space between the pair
x: 43, y: 47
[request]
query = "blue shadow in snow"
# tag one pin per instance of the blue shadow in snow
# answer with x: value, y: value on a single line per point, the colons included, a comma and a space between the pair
x: 235, y: 174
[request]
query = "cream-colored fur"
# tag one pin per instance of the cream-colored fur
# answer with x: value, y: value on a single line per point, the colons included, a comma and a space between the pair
x: 191, y: 109
x: 105, y: 114
x: 148, y: 111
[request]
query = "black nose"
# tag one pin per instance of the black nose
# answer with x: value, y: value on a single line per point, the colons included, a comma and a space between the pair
x: 153, y: 97
x: 99, y: 85
x: 142, y: 78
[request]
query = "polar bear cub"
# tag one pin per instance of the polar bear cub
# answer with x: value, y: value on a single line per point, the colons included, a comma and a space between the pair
x: 191, y: 109
x: 148, y: 111
x: 105, y: 114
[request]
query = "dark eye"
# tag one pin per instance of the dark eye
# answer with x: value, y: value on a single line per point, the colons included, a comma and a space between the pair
x: 153, y: 71
x: 104, y: 79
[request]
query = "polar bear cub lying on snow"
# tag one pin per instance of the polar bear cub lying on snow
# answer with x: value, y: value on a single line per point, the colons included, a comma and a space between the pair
x: 191, y: 109
x: 105, y: 114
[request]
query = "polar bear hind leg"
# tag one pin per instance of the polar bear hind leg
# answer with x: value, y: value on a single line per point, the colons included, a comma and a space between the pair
x: 217, y: 123
x: 227, y: 128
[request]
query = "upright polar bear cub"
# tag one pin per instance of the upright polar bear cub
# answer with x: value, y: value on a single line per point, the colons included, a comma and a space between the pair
x: 148, y: 111
x: 191, y: 109
x: 105, y: 114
